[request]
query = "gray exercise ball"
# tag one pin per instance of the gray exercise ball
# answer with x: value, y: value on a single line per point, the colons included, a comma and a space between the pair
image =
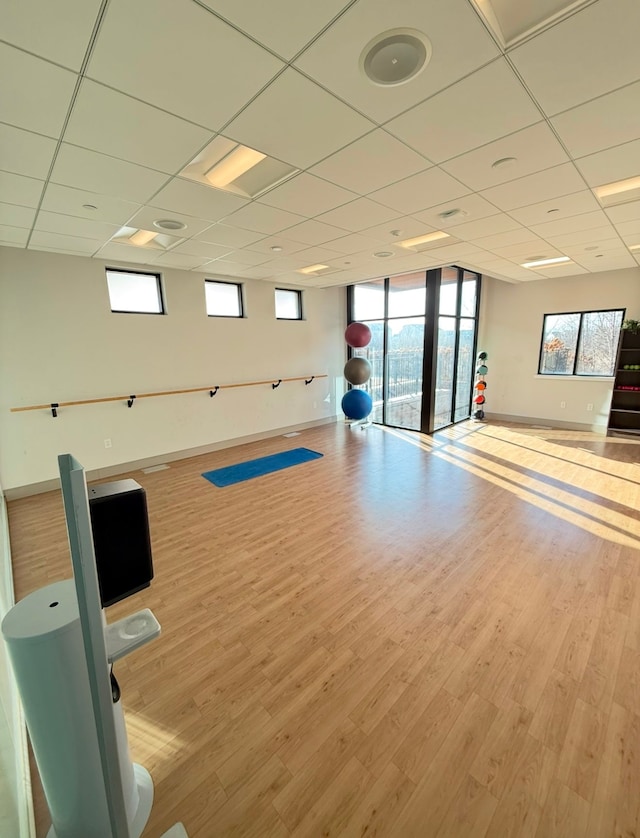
x: 357, y: 370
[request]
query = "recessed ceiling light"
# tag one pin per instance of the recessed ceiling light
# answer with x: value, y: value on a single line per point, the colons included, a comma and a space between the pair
x: 89, y: 206
x: 539, y: 263
x: 599, y: 255
x: 592, y: 247
x: 634, y: 247
x: 142, y: 237
x: 311, y: 269
x: 347, y: 263
x: 429, y: 237
x: 451, y: 212
x: 395, y: 57
x: 396, y: 233
x: 169, y: 224
x: 618, y: 192
x: 503, y: 161
x: 235, y: 164
x: 552, y: 210
x: 276, y: 248
x: 382, y: 254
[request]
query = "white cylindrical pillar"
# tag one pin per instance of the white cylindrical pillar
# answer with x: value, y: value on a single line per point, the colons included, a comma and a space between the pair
x: 44, y: 641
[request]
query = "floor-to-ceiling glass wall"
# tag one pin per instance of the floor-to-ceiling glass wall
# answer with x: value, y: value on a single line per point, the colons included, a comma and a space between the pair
x: 422, y: 323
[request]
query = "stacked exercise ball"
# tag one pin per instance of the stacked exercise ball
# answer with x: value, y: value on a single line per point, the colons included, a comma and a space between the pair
x: 480, y: 386
x: 357, y: 404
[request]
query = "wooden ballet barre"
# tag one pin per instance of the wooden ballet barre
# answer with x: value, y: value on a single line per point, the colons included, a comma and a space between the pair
x: 129, y: 399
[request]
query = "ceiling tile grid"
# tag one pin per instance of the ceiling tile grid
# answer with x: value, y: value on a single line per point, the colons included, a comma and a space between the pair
x: 499, y: 147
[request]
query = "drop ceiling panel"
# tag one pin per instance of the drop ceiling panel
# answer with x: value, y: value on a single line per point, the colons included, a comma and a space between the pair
x: 593, y: 234
x: 109, y: 122
x: 534, y: 149
x: 103, y: 175
x: 144, y: 218
x: 246, y: 258
x: 68, y: 201
x: 609, y: 121
x: 189, y: 198
x: 17, y: 189
x: 25, y: 153
x: 266, y: 245
x: 12, y: 215
x: 355, y: 243
x: 179, y: 260
x: 607, y: 262
x: 557, y: 208
x: 59, y: 31
x: 314, y: 232
x: 585, y: 221
x: 406, y: 226
x: 36, y: 94
x: 625, y: 212
x: 223, y: 267
x: 206, y: 250
x: 534, y: 189
x: 485, y: 227
x: 42, y: 240
x: 307, y: 195
x: 263, y: 219
x: 334, y: 58
x: 473, y: 207
x: 418, y: 192
x: 440, y: 127
x: 617, y: 163
x: 499, y: 241
x: 317, y: 126
x: 370, y: 163
x: 232, y: 237
x: 141, y: 51
x: 51, y: 222
x: 124, y: 253
x: 13, y: 236
x: 582, y: 65
x: 527, y: 251
x: 358, y: 215
x: 264, y: 21
x: 630, y: 230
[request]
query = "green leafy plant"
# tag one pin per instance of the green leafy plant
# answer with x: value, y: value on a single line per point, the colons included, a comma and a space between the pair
x: 632, y: 326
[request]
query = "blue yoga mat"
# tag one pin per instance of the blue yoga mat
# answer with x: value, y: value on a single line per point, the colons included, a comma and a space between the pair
x: 263, y: 465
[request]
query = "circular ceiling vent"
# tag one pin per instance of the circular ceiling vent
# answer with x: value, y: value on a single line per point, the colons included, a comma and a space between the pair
x: 169, y: 224
x: 383, y: 254
x: 395, y: 57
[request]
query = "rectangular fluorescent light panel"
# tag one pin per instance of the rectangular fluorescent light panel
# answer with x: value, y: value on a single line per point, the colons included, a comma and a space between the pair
x: 619, y: 192
x: 312, y: 269
x: 142, y: 237
x: 634, y: 247
x: 540, y: 263
x: 235, y: 164
x: 427, y: 239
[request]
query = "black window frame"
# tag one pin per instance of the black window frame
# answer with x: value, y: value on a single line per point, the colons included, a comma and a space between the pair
x: 575, y: 374
x: 239, y: 288
x: 296, y: 291
x: 158, y: 278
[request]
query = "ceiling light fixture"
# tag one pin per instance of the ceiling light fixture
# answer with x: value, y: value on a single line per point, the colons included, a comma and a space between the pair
x: 552, y: 210
x: 89, y: 206
x: 142, y: 237
x: 235, y: 164
x: 395, y: 57
x: 396, y: 233
x: 592, y: 247
x: 451, y: 212
x: 429, y: 237
x: 169, y: 224
x: 634, y: 247
x: 383, y: 254
x: 503, y: 161
x: 276, y: 248
x: 539, y: 263
x: 618, y: 192
x: 312, y: 269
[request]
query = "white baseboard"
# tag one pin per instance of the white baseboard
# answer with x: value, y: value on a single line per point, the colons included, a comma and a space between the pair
x: 547, y: 423
x: 171, y: 456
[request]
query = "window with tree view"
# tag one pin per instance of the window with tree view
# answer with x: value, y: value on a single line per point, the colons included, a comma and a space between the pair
x: 580, y: 343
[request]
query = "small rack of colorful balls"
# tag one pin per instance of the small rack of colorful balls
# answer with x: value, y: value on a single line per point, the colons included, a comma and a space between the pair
x: 480, y: 386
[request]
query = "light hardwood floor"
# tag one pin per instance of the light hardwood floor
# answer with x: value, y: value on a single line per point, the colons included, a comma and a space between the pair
x: 411, y: 636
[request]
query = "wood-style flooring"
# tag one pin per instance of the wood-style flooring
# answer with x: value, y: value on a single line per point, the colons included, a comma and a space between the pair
x: 412, y: 636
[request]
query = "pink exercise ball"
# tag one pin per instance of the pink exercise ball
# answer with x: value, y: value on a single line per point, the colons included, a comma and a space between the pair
x: 357, y: 335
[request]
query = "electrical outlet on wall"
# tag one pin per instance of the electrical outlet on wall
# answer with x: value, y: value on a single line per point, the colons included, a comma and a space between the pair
x: 563, y: 404
x: 590, y: 406
x: 107, y: 443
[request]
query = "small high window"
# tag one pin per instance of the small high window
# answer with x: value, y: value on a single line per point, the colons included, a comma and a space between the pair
x: 223, y: 299
x: 288, y: 304
x: 580, y: 343
x: 134, y: 292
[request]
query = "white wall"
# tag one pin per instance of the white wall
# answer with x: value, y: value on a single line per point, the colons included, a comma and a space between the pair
x: 59, y: 341
x: 511, y: 329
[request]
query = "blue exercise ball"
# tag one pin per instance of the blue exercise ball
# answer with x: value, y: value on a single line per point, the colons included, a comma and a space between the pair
x: 356, y: 404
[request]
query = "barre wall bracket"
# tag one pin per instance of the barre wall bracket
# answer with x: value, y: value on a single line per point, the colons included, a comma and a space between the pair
x: 309, y: 380
x: 130, y: 401
x: 274, y: 386
x: 54, y: 409
x: 212, y: 393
